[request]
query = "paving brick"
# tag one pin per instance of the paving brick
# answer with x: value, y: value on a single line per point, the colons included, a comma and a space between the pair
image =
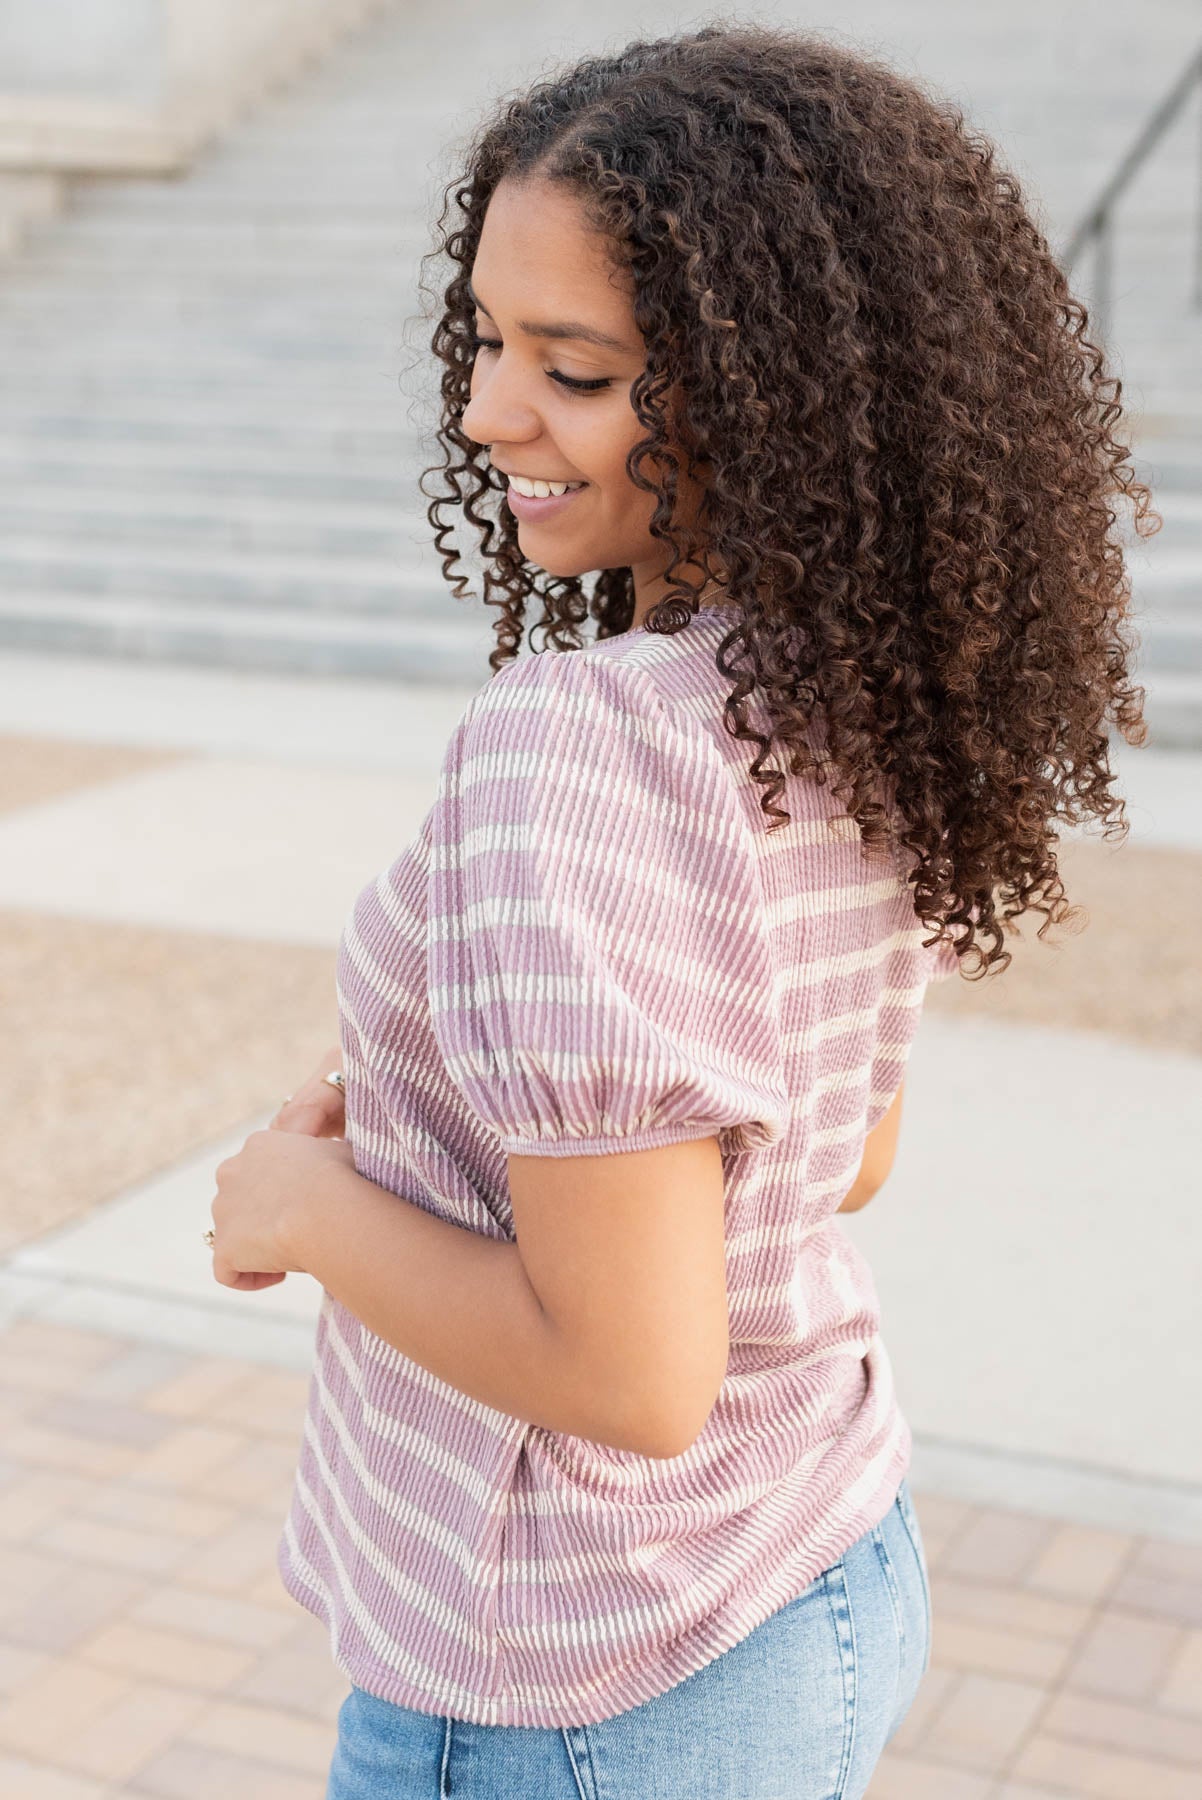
x: 997, y: 1545
x: 1161, y: 1559
x: 143, y: 1721
x: 941, y: 1512
x: 1080, y: 1562
x: 266, y: 1732
x: 1181, y: 1690
x: 172, y: 1656
x: 933, y: 1690
x: 38, y: 1376
x: 111, y: 1421
x: 132, y: 1374
x: 259, y: 1475
x: 941, y: 1520
x: 900, y: 1777
x: 24, y: 1575
x: 989, y: 1650
x: 1124, y: 1655
x: 185, y: 1454
x: 1096, y: 1774
x: 983, y: 1721
x: 34, y: 1443
x: 22, y: 1780
x: 16, y: 1404
x: 17, y: 1665
x: 194, y: 1389
x: 269, y: 1590
x: 271, y: 1402
x: 193, y: 1772
x: 98, y: 1541
x: 1164, y: 1598
x: 37, y: 1498
x: 153, y: 1509
x: 299, y: 1677
x: 1012, y: 1608
x: 51, y: 1708
x: 236, y: 1556
x: 1144, y: 1730
x: 216, y: 1617
x: 72, y: 1609
x: 61, y: 1343
x: 1023, y: 1790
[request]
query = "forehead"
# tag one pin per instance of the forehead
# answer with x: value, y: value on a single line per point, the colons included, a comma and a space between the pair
x: 538, y: 255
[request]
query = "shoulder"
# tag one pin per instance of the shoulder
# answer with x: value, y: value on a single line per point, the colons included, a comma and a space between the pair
x: 534, y: 684
x: 565, y: 707
x: 588, y: 739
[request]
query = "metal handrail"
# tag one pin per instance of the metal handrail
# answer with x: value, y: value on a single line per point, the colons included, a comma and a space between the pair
x: 1097, y: 223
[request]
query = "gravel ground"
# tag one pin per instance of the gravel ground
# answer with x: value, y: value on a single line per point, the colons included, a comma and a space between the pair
x: 1132, y: 967
x: 125, y: 1048
x: 41, y: 768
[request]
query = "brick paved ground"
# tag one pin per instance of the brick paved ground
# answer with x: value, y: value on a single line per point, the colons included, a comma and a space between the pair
x: 148, y: 1648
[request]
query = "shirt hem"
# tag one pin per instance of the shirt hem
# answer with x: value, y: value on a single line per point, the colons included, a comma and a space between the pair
x: 624, y: 1689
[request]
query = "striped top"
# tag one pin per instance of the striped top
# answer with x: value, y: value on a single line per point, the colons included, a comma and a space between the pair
x: 594, y: 945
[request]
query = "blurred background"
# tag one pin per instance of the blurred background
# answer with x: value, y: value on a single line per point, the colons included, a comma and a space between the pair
x: 228, y: 669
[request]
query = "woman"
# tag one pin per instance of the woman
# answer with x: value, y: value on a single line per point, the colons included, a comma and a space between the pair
x: 752, y: 356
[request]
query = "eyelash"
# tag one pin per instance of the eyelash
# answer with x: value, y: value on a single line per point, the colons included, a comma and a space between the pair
x: 580, y: 387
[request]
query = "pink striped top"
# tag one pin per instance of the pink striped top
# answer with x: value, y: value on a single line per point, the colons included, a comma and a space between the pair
x: 593, y: 945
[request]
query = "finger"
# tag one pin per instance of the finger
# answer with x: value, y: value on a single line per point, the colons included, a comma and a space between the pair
x: 251, y: 1280
x: 248, y: 1280
x: 313, y: 1115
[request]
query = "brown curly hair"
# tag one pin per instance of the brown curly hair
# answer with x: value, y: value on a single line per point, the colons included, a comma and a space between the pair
x: 911, y: 462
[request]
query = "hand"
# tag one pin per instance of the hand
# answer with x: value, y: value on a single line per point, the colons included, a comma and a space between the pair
x: 262, y: 1194
x: 316, y: 1109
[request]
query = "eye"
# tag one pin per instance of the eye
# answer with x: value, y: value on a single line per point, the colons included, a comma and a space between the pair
x: 569, y: 381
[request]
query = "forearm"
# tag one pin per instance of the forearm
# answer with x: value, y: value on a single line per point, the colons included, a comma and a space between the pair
x: 458, y: 1303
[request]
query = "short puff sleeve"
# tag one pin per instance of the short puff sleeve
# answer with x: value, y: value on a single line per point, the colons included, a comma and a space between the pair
x: 599, y: 968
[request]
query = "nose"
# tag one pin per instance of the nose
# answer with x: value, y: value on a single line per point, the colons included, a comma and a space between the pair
x: 496, y: 412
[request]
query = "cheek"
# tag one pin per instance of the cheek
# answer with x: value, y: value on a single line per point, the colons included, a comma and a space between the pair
x: 603, y: 454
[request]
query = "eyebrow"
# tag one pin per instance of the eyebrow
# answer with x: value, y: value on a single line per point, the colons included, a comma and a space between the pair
x: 563, y: 328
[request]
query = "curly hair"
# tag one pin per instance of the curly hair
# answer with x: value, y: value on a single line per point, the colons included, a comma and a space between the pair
x: 912, y: 469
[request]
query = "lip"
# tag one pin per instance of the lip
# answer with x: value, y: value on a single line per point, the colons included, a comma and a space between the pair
x: 523, y: 506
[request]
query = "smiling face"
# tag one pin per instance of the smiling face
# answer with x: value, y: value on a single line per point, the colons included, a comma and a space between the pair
x: 551, y: 311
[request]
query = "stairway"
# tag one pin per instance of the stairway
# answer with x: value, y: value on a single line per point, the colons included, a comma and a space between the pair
x: 218, y: 393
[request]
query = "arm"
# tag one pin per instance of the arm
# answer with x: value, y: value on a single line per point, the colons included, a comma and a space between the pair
x: 622, y: 1340
x: 880, y: 1148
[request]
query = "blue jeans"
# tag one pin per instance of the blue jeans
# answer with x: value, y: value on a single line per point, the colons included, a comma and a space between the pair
x: 800, y: 1709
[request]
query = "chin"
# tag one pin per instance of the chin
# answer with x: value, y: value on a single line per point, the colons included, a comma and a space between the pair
x: 565, y: 568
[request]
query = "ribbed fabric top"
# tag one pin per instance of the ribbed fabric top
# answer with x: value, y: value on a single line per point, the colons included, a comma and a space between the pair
x: 594, y: 945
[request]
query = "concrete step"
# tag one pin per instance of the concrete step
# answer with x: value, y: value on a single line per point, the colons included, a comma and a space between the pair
x: 452, y: 648
x: 1173, y: 645
x: 398, y: 589
x: 1173, y: 709
x: 182, y: 434
x: 358, y: 480
x: 368, y: 407
x: 113, y: 519
x: 369, y: 233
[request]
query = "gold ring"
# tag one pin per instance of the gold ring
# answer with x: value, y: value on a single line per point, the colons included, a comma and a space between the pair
x: 210, y: 1237
x: 336, y: 1079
